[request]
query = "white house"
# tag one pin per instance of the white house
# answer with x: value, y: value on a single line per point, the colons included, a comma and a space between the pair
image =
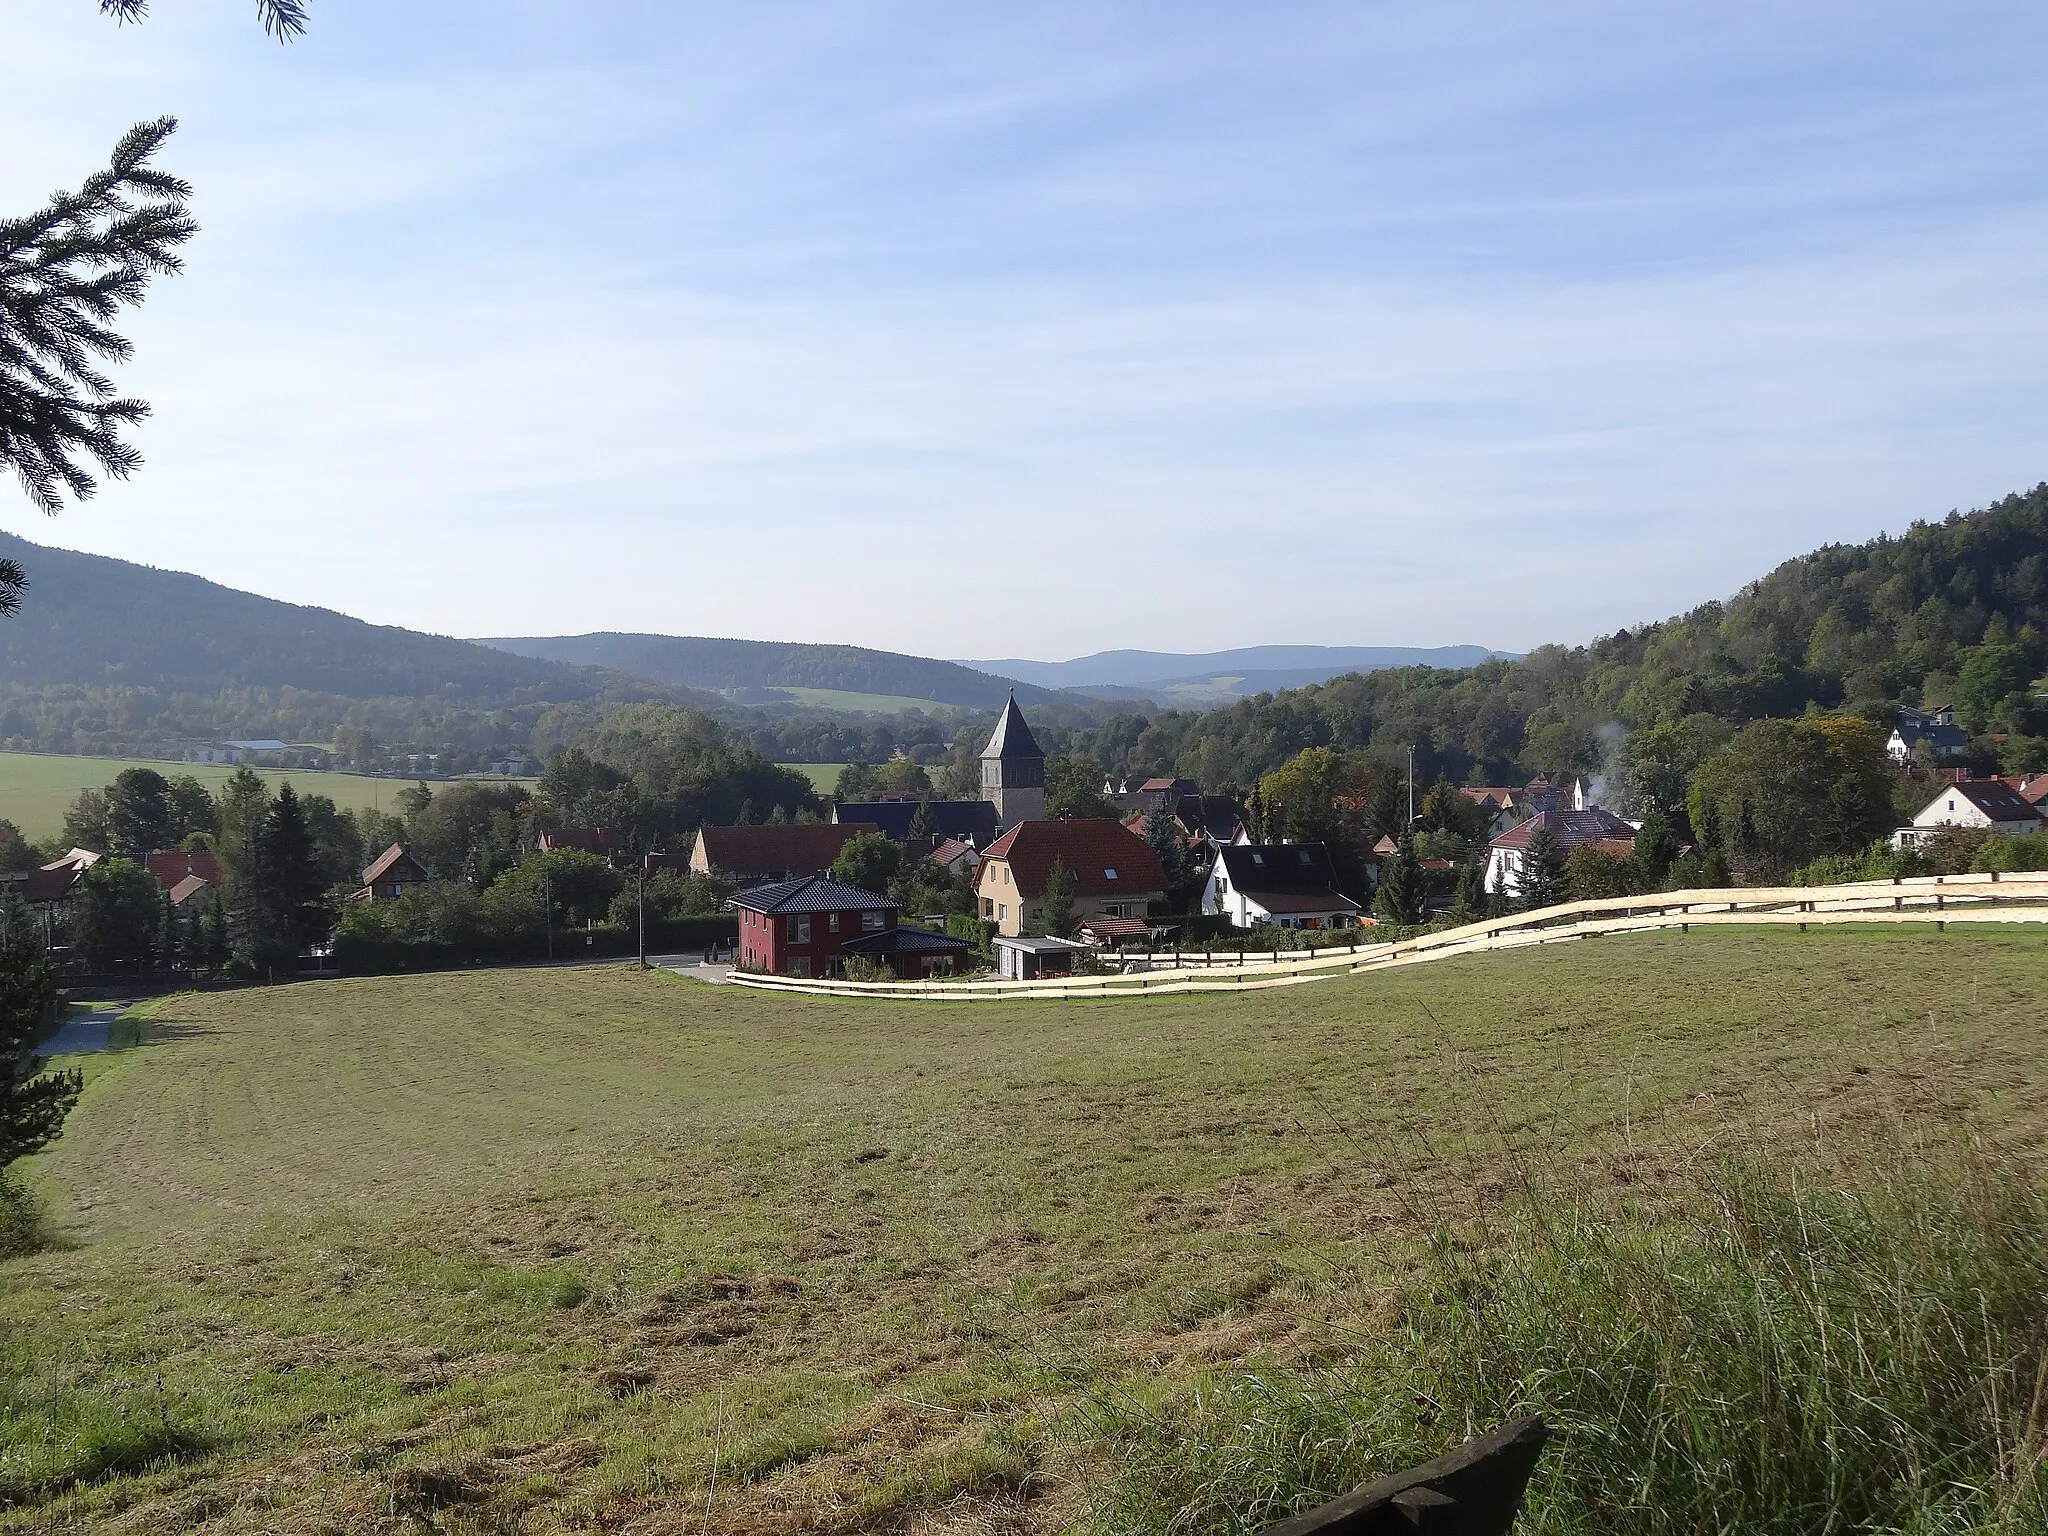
x: 1984, y: 804
x: 1567, y: 829
x: 1282, y: 885
x: 1937, y: 727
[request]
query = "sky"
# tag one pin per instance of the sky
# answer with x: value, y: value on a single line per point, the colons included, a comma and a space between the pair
x: 974, y: 330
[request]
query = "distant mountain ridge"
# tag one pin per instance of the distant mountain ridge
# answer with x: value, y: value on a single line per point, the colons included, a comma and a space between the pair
x: 739, y: 665
x: 94, y: 622
x: 1171, y: 677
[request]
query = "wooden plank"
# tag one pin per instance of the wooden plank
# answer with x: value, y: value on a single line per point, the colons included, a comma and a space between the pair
x: 1475, y: 1490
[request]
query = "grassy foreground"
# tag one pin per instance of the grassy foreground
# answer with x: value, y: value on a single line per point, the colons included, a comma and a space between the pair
x: 589, y: 1250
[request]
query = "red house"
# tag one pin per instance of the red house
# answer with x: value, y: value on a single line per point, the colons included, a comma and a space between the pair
x: 172, y: 865
x: 808, y: 927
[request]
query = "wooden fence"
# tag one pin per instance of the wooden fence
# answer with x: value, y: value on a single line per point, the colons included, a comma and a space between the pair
x: 1936, y: 899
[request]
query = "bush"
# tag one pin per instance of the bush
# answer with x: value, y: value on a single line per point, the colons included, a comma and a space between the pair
x: 2008, y: 855
x: 1782, y: 1358
x: 23, y: 1228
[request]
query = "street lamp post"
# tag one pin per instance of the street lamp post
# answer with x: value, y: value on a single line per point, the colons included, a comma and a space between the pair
x: 642, y: 884
x: 547, y: 902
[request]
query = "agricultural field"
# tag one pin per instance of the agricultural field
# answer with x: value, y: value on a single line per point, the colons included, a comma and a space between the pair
x: 868, y: 703
x: 555, y: 1249
x: 824, y: 777
x: 36, y: 788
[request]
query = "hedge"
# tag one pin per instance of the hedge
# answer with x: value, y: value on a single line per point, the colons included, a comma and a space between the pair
x: 358, y: 954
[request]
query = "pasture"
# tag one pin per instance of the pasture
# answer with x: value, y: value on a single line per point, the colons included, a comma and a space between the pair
x: 36, y: 788
x: 550, y: 1250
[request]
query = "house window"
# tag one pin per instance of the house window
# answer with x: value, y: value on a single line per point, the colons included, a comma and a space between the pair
x: 1109, y: 874
x: 832, y: 923
x: 871, y: 922
x: 1304, y: 856
x: 1259, y: 858
x: 1002, y: 914
x: 800, y: 966
x: 988, y: 907
x: 799, y: 930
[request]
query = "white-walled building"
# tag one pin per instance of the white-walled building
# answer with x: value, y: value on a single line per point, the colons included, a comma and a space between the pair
x: 1281, y: 885
x: 1981, y: 804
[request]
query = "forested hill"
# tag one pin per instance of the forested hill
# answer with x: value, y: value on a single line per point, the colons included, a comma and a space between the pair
x: 751, y: 664
x: 1952, y: 612
x: 96, y: 623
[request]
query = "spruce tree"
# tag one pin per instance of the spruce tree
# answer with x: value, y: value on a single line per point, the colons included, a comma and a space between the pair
x: 282, y: 19
x: 1468, y: 899
x: 33, y: 1103
x: 66, y: 271
x: 1056, y: 908
x: 293, y: 914
x: 1540, y: 882
x: 926, y: 822
x: 1399, y: 899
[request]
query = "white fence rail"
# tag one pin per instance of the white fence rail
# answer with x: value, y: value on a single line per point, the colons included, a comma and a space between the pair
x: 1936, y: 899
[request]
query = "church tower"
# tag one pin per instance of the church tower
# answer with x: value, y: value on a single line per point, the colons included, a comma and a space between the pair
x: 1013, y: 770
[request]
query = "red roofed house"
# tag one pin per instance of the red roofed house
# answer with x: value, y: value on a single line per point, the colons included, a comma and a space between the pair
x: 605, y: 842
x: 758, y: 855
x: 1568, y: 830
x: 389, y: 877
x: 172, y: 865
x: 189, y: 887
x: 1114, y: 872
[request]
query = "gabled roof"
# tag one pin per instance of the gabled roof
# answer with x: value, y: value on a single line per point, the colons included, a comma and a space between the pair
x: 2030, y: 787
x: 974, y: 820
x: 189, y: 887
x: 1567, y: 829
x: 1945, y: 738
x: 906, y: 941
x: 1285, y: 903
x: 749, y: 852
x: 396, y: 863
x: 952, y: 850
x: 813, y: 893
x: 1997, y: 799
x: 171, y: 865
x: 1217, y: 817
x: 1104, y: 857
x: 53, y: 882
x: 1262, y: 868
x: 1012, y: 738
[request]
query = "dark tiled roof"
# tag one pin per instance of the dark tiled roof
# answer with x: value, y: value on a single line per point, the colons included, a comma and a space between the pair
x: 394, y: 863
x: 813, y: 893
x: 951, y: 851
x: 750, y: 852
x: 1278, y: 867
x: 1996, y: 799
x: 1945, y: 738
x: 1090, y: 849
x: 1215, y: 816
x: 974, y: 820
x: 51, y: 883
x: 1568, y: 829
x: 1012, y: 738
x: 905, y: 941
x: 1325, y: 900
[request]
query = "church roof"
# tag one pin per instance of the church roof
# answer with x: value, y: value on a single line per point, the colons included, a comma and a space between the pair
x: 1012, y: 739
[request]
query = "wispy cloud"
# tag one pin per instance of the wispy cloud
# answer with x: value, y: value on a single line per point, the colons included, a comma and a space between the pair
x: 1022, y: 333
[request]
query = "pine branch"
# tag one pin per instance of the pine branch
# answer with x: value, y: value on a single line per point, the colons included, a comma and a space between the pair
x: 282, y: 19
x: 66, y: 271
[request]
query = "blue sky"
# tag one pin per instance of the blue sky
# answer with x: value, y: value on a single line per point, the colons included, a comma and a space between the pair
x: 1041, y: 330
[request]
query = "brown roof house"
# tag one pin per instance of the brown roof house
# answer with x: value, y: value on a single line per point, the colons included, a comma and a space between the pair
x: 392, y: 875
x: 750, y: 856
x: 174, y: 865
x: 1114, y: 872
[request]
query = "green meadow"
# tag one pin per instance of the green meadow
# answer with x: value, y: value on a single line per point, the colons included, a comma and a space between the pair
x: 595, y: 1250
x: 37, y: 788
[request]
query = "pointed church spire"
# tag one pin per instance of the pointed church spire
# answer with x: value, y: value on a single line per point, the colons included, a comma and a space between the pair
x: 1012, y: 739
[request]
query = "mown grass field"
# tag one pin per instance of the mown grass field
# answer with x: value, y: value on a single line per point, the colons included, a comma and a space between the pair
x: 824, y: 777
x: 36, y: 788
x: 593, y: 1250
x: 870, y: 703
